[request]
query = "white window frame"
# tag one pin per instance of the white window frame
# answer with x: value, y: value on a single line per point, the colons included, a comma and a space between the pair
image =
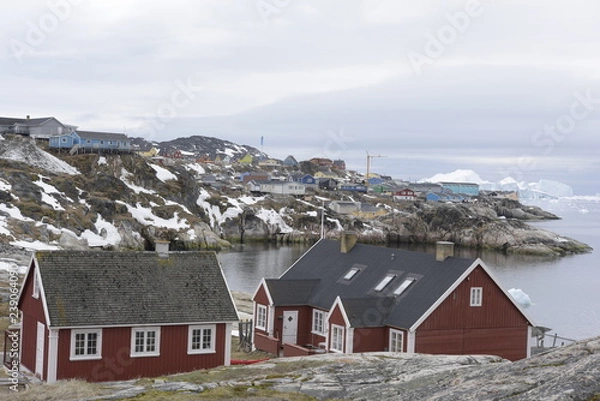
x: 318, y: 326
x: 86, y: 355
x: 394, y: 343
x: 476, y: 296
x: 350, y: 274
x: 35, y: 291
x: 145, y: 330
x: 402, y: 287
x: 384, y: 282
x: 337, y: 344
x: 261, y: 317
x: 203, y: 328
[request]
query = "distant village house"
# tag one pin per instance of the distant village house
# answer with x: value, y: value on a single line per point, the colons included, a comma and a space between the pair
x: 37, y: 128
x: 89, y: 141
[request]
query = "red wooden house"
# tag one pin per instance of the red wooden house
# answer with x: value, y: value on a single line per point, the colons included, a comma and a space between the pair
x: 405, y: 194
x: 347, y: 297
x: 104, y: 316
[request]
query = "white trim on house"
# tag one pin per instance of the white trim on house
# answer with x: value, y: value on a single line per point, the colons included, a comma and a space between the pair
x: 337, y: 331
x: 476, y: 296
x: 228, y: 331
x: 202, y: 349
x: 261, y: 316
x: 85, y: 356
x: 393, y: 343
x: 350, y: 340
x: 40, y: 346
x: 35, y: 284
x: 22, y: 286
x: 134, y: 353
x: 410, y: 342
x: 319, y: 318
x: 52, y: 354
x: 33, y: 264
x: 270, y: 320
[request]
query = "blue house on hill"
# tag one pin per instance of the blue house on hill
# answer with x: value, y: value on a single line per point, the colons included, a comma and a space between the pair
x: 306, y: 179
x: 91, y: 141
x: 464, y: 188
x: 353, y: 187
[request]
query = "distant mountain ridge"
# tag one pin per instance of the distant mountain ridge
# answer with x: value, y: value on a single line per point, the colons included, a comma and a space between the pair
x: 199, y: 146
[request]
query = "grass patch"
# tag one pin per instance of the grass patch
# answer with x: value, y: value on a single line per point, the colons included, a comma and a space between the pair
x: 64, y: 390
x: 247, y: 373
x: 224, y: 393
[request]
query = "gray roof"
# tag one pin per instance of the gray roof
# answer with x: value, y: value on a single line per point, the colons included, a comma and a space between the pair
x: 108, y: 136
x: 98, y: 288
x: 324, y: 266
x: 24, y: 121
x: 291, y: 292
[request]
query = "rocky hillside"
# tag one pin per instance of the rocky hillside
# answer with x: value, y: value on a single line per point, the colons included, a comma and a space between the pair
x: 127, y: 202
x: 198, y: 146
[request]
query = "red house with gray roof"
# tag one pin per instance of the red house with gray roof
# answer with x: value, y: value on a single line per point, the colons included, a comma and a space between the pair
x: 105, y: 316
x: 347, y: 297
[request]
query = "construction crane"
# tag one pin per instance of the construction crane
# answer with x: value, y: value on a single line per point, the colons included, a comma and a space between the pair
x: 369, y: 157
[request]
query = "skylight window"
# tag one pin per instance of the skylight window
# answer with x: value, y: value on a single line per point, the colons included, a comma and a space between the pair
x: 351, y: 273
x: 386, y: 280
x: 402, y: 287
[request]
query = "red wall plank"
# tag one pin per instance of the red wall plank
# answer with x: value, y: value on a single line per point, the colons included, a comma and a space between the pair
x: 116, y: 363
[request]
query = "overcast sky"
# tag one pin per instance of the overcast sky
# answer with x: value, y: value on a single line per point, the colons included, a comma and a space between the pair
x: 505, y: 88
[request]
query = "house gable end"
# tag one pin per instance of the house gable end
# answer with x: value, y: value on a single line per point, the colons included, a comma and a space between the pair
x: 262, y: 295
x: 337, y: 314
x: 477, y: 263
x: 26, y: 300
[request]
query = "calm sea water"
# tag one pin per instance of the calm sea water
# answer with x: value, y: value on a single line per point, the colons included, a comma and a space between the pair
x: 565, y: 292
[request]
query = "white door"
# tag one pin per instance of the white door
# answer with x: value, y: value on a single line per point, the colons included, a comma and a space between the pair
x: 290, y: 326
x: 39, y: 349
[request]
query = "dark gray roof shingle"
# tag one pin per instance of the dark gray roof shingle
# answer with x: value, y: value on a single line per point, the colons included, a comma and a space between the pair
x: 325, y: 263
x: 291, y: 292
x: 96, y: 288
x: 108, y: 136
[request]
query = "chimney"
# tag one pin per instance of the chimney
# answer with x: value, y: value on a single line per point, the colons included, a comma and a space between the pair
x: 162, y: 248
x: 443, y: 249
x: 349, y: 239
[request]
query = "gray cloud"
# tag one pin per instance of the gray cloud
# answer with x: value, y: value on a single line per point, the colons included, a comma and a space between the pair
x: 296, y: 71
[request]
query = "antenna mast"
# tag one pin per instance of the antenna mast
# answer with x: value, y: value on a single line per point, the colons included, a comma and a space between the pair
x: 369, y: 157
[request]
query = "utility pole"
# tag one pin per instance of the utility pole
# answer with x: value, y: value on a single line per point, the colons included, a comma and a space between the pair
x: 322, y: 219
x: 369, y: 157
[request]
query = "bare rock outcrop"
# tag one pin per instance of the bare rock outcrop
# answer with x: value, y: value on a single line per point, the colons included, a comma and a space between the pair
x: 567, y: 373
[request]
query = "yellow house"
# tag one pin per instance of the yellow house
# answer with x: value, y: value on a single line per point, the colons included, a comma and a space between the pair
x: 321, y: 174
x: 149, y: 153
x: 248, y: 159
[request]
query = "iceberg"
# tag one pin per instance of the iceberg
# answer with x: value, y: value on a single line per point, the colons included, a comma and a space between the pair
x: 520, y: 297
